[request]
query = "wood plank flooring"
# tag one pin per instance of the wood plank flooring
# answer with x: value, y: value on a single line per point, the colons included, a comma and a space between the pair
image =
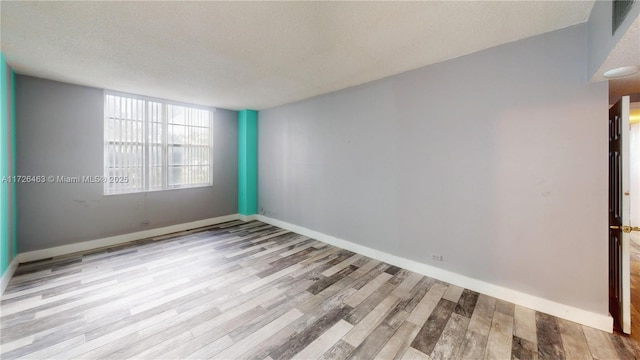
x: 254, y: 291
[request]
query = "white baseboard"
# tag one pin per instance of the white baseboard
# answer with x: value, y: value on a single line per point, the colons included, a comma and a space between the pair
x: 588, y: 318
x: 13, y: 265
x: 247, y: 217
x: 598, y: 321
x: 119, y: 239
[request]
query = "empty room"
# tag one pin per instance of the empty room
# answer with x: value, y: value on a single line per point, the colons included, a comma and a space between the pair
x: 320, y: 180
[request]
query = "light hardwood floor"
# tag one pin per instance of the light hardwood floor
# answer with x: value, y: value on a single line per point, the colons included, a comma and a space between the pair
x: 254, y: 291
x: 635, y: 292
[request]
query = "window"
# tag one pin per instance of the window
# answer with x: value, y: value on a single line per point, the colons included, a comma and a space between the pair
x: 153, y: 145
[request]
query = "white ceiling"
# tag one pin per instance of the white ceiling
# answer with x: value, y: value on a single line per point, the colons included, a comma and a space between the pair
x: 625, y: 53
x: 257, y: 54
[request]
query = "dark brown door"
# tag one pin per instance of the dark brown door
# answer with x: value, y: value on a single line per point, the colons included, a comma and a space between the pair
x: 618, y: 211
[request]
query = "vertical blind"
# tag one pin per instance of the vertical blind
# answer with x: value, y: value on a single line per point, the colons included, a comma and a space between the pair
x: 155, y: 145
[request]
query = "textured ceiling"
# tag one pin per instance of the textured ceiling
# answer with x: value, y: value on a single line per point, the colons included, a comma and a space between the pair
x: 257, y: 54
x: 625, y: 53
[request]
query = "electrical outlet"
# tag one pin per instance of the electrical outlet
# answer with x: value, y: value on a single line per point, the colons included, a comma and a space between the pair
x: 436, y: 257
x: 145, y: 223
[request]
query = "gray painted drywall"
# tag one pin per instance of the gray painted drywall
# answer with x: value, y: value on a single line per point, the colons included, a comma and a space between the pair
x: 601, y: 41
x: 496, y: 160
x: 60, y: 132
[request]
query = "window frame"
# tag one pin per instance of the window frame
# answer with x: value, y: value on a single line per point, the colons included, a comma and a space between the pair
x: 147, y: 143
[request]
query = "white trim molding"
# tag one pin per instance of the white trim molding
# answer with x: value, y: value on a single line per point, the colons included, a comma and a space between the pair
x: 588, y: 318
x: 247, y: 218
x: 120, y: 239
x: 8, y: 274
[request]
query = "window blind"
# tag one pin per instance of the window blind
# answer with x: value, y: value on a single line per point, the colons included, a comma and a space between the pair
x: 155, y: 145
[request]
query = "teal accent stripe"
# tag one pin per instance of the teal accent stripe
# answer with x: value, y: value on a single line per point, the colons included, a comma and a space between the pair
x: 4, y: 160
x: 247, y: 162
x: 14, y: 206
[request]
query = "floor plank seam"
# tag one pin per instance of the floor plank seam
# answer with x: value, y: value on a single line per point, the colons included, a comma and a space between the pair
x: 252, y: 290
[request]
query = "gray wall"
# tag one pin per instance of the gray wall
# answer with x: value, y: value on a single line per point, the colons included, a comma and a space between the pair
x: 496, y: 160
x: 601, y: 40
x: 60, y: 132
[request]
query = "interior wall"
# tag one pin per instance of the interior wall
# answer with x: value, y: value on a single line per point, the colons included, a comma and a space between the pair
x: 4, y: 156
x: 496, y: 160
x: 599, y: 29
x: 60, y: 133
x: 7, y: 167
x: 13, y: 209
